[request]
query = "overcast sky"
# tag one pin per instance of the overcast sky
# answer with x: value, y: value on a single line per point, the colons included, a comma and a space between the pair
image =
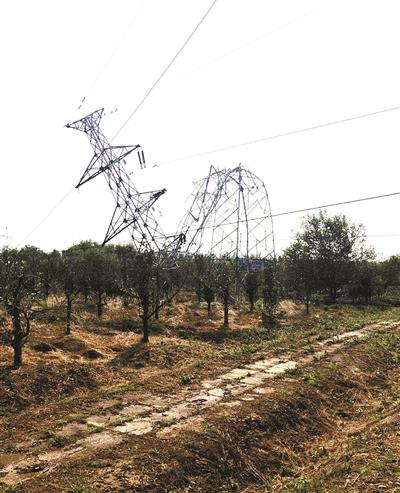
x: 254, y: 68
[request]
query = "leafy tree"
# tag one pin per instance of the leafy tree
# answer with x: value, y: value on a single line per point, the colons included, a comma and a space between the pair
x: 252, y: 285
x: 50, y: 267
x: 391, y: 272
x: 208, y: 278
x: 21, y: 294
x: 98, y: 272
x: 367, y: 281
x: 334, y: 245
x: 270, y: 294
x: 300, y: 271
x: 139, y: 273
x: 69, y: 270
x: 124, y: 254
x: 225, y: 278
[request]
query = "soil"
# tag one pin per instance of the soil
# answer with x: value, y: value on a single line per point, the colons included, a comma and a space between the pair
x: 196, y: 413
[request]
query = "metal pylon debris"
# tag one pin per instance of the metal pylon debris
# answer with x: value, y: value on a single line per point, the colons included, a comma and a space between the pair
x: 230, y: 215
x: 133, y: 209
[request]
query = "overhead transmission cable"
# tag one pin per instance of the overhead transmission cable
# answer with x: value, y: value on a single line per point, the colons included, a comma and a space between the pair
x: 166, y: 69
x: 134, y: 111
x: 280, y: 135
x: 306, y: 129
x: 46, y: 216
x: 307, y: 209
x: 112, y: 55
x: 251, y: 42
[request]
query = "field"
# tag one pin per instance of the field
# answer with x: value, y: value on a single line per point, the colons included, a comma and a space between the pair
x: 313, y: 406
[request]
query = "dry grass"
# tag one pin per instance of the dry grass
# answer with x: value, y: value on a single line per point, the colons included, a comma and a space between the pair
x: 271, y: 443
x: 319, y: 435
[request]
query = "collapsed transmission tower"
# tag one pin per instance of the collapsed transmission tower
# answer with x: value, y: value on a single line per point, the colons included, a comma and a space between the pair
x: 133, y: 209
x: 230, y: 215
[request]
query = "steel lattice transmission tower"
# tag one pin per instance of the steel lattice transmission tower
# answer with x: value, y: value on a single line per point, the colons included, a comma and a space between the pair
x: 133, y: 209
x: 230, y: 215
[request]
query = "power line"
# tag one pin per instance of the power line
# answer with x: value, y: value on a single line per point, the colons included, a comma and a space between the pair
x: 112, y: 55
x: 278, y: 136
x: 166, y: 69
x: 336, y: 204
x: 307, y: 209
x: 279, y: 214
x: 46, y: 216
x: 251, y: 42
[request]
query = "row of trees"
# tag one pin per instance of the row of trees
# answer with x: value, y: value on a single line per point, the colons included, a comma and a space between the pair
x: 327, y: 259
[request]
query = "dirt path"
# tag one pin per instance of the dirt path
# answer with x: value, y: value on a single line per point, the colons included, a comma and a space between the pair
x: 165, y: 414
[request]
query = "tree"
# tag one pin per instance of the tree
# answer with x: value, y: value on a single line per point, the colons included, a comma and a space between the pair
x: 367, y: 281
x: 270, y: 294
x: 334, y: 245
x: 300, y: 271
x: 139, y: 269
x: 98, y: 272
x: 208, y: 277
x: 224, y: 281
x: 391, y: 272
x: 21, y: 294
x: 50, y: 267
x: 124, y: 254
x: 68, y: 273
x: 252, y: 285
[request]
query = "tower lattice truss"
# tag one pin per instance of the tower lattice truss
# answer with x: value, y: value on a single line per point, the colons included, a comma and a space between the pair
x: 133, y: 209
x: 230, y: 214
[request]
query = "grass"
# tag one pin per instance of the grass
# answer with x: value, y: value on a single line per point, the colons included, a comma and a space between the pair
x: 292, y: 441
x: 58, y: 442
x: 66, y: 388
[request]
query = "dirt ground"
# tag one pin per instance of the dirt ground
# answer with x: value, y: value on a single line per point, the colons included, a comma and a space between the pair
x: 313, y: 407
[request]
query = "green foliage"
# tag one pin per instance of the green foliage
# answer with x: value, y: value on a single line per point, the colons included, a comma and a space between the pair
x: 304, y: 485
x: 22, y: 293
x: 325, y: 254
x: 271, y: 298
x: 252, y: 286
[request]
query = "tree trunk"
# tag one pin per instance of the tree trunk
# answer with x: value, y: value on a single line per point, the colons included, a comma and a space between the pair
x: 198, y: 291
x: 157, y: 296
x: 226, y: 306
x: 209, y: 308
x: 17, y: 353
x: 145, y: 318
x: 17, y: 339
x: 69, y: 313
x: 251, y: 304
x: 307, y: 303
x: 99, y: 305
x: 157, y: 310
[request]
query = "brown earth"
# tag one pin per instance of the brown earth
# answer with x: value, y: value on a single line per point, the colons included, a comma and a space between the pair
x: 173, y: 416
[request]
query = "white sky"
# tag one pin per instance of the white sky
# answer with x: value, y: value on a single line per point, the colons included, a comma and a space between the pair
x: 255, y: 68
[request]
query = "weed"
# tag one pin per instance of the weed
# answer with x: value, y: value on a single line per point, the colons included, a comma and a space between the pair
x: 312, y: 377
x: 79, y: 489
x: 95, y: 429
x: 211, y: 428
x: 125, y: 466
x: 15, y: 488
x: 121, y: 421
x: 185, y: 380
x: 100, y: 463
x: 297, y: 371
x: 58, y: 442
x: 304, y: 485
